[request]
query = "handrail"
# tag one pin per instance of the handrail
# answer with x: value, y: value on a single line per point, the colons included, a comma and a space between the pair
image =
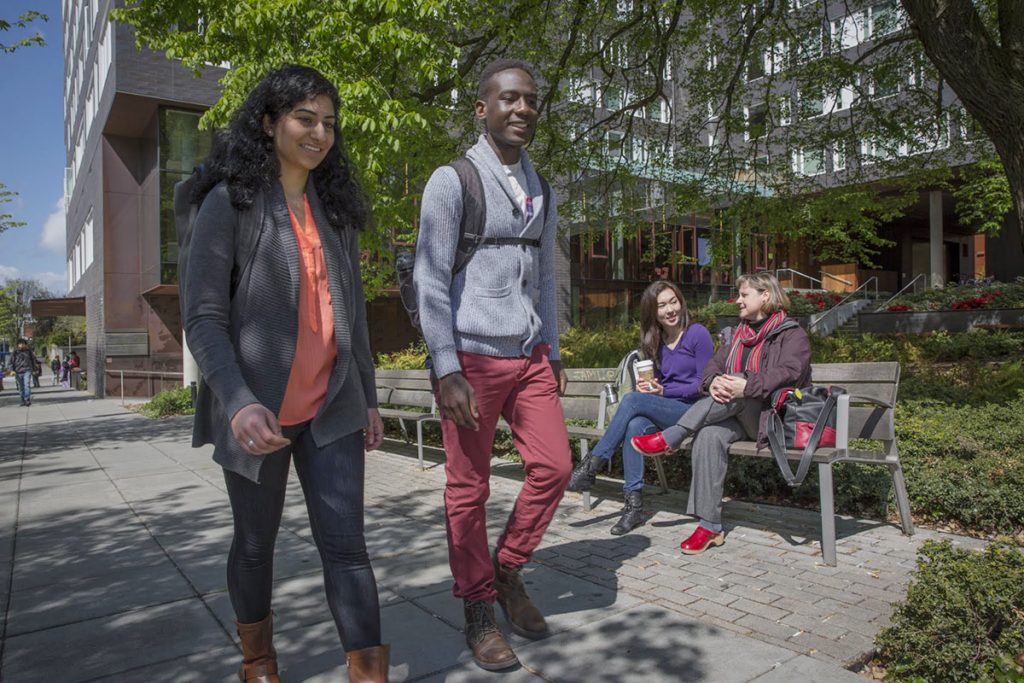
x: 835, y: 277
x: 825, y: 314
x: 148, y: 374
x: 905, y: 288
x: 795, y: 272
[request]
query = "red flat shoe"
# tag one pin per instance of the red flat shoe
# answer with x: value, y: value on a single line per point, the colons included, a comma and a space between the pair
x: 650, y: 444
x: 700, y: 540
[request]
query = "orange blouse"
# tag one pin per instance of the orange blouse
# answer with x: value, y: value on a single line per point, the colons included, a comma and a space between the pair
x: 315, y: 350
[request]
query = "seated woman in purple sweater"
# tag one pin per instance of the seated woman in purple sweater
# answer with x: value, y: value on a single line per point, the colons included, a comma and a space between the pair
x: 680, y: 350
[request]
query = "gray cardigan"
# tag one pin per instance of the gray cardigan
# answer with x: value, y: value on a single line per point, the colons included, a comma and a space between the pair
x: 244, y: 345
x: 503, y: 303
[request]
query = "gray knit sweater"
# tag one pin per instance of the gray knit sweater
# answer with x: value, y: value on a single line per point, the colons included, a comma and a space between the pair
x: 503, y: 302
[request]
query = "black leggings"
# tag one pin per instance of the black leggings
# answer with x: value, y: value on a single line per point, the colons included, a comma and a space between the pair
x: 332, y: 482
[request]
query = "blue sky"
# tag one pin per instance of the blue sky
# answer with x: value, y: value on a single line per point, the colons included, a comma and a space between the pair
x: 32, y: 150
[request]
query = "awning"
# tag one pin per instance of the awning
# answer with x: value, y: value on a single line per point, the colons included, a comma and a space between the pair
x: 49, y: 308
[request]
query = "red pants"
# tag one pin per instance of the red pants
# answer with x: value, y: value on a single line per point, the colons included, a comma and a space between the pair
x: 524, y: 392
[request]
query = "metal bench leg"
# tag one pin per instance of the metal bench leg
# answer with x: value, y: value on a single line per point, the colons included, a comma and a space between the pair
x: 660, y: 466
x: 828, y: 517
x: 584, y: 449
x: 902, y: 501
x: 419, y: 443
x: 405, y: 430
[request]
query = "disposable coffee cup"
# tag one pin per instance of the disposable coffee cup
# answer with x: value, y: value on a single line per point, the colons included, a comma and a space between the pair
x: 644, y: 370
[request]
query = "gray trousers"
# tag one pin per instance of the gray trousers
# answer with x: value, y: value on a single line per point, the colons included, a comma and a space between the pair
x: 715, y: 426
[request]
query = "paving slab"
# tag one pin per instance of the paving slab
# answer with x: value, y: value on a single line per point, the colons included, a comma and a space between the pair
x: 105, y: 647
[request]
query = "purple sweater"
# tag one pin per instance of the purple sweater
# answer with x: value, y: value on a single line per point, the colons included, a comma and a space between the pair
x: 679, y: 368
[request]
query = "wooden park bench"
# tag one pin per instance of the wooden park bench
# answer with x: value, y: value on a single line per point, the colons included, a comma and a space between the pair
x: 406, y: 395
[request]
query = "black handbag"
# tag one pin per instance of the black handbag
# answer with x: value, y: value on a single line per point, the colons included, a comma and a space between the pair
x: 802, y: 418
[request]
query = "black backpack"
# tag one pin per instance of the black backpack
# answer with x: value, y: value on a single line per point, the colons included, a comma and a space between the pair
x: 471, y: 229
x: 247, y: 235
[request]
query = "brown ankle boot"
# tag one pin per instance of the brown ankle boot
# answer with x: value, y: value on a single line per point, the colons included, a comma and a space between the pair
x: 369, y: 665
x: 491, y: 651
x: 522, y: 614
x: 259, y: 659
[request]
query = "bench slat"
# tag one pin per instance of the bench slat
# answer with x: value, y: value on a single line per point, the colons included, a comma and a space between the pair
x: 408, y: 397
x: 837, y: 373
x: 601, y: 375
x: 419, y: 373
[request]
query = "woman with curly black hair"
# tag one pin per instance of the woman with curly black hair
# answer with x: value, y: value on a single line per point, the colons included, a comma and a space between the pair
x: 282, y: 342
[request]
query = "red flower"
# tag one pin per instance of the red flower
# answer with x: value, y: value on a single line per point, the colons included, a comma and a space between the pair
x: 896, y: 308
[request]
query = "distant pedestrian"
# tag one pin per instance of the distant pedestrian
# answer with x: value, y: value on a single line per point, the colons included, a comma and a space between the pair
x: 65, y: 373
x: 37, y: 371
x: 23, y: 361
x: 55, y: 369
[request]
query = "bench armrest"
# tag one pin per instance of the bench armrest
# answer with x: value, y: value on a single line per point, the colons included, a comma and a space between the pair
x: 843, y: 422
x: 602, y: 408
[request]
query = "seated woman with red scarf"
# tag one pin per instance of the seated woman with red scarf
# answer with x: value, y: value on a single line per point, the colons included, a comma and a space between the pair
x: 768, y: 351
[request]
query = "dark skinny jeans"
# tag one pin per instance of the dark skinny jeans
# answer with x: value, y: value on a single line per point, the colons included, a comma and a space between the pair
x: 332, y: 482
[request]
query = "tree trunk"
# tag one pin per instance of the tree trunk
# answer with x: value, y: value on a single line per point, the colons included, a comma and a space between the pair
x: 985, y: 71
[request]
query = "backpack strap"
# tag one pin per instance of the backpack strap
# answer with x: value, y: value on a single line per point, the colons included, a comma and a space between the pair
x: 474, y: 212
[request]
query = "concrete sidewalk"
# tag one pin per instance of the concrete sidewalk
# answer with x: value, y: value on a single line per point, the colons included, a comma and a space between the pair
x: 114, y: 533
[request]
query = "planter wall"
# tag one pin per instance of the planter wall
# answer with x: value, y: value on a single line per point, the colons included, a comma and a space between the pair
x: 934, y: 321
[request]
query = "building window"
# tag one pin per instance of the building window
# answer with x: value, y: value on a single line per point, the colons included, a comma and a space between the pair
x: 885, y: 82
x: 848, y: 31
x: 808, y: 162
x: 613, y: 141
x: 886, y: 18
x: 838, y: 159
x: 756, y: 116
x: 613, y: 98
x: 812, y: 103
x: 756, y: 65
x: 809, y: 45
x: 182, y: 147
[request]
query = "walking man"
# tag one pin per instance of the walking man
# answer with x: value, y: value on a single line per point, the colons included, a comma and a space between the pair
x: 23, y: 362
x: 492, y: 335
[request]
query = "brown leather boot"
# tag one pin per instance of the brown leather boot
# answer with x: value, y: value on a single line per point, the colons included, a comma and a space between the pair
x: 259, y: 659
x: 524, y: 617
x: 369, y: 665
x: 490, y: 649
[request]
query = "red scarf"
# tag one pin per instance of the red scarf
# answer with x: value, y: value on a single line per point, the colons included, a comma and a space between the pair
x: 745, y: 336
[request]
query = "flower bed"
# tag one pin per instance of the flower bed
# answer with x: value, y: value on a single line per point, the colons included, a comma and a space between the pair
x: 963, y: 298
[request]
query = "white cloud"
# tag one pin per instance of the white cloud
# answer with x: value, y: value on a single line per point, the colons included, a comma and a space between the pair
x: 9, y: 273
x: 54, y: 230
x: 54, y: 282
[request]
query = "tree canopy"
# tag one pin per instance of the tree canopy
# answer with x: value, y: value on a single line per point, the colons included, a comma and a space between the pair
x: 23, y: 21
x: 7, y: 220
x: 766, y: 114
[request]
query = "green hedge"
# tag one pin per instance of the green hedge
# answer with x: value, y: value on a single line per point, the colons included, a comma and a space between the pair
x: 962, y: 619
x: 169, y: 402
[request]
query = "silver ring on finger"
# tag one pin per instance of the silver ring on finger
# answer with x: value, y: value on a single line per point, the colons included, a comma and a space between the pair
x: 250, y: 443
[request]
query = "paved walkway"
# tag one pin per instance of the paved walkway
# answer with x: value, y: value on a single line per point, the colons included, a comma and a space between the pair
x: 113, y: 534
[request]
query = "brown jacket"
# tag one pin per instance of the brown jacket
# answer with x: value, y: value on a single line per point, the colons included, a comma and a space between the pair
x: 785, y: 362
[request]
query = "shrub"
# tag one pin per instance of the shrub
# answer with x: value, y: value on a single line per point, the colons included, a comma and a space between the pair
x: 962, y: 619
x: 169, y: 402
x: 412, y: 357
x: 597, y: 348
